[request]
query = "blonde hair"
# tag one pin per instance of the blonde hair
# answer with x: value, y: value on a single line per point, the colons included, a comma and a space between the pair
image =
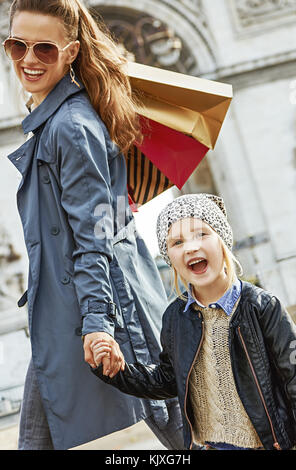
x: 232, y: 268
x: 99, y: 65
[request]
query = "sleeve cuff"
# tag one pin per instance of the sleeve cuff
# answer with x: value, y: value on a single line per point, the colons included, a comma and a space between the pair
x: 94, y: 306
x: 93, y: 322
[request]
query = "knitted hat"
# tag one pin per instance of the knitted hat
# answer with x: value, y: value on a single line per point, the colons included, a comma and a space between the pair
x: 206, y: 207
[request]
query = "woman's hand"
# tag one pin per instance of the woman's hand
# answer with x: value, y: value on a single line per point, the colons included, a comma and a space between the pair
x: 102, y: 352
x: 111, y: 356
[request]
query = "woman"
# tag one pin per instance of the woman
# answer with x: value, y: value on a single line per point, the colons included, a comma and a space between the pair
x: 90, y: 276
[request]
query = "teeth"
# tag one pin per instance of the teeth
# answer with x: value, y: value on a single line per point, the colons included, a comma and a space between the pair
x: 196, y: 261
x: 34, y: 72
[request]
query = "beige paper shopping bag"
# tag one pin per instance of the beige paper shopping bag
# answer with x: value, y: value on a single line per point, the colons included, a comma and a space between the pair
x: 194, y: 106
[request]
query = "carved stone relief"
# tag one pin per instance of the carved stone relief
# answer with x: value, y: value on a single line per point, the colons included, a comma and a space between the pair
x: 149, y: 41
x: 162, y: 33
x: 250, y: 13
x: 195, y: 5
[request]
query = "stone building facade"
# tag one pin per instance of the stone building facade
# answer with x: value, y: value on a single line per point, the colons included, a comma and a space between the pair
x: 246, y: 43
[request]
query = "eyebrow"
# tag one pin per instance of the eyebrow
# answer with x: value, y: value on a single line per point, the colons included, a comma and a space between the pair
x: 43, y: 40
x: 180, y: 233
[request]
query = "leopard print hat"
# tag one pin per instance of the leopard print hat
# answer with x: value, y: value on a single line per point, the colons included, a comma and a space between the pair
x: 206, y: 207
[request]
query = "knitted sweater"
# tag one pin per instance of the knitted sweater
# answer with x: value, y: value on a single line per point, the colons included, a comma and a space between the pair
x: 219, y: 415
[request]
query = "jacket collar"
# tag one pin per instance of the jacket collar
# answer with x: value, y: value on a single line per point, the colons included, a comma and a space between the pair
x: 52, y: 102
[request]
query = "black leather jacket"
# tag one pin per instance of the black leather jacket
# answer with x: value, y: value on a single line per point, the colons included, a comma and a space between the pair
x: 262, y: 350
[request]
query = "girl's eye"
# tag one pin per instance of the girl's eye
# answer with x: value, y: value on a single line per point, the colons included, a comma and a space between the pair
x: 177, y: 242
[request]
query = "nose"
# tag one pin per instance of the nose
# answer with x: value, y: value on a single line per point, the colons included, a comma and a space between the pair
x: 30, y: 57
x: 191, y: 245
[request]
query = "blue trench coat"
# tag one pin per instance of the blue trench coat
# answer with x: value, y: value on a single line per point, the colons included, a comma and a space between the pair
x: 88, y: 269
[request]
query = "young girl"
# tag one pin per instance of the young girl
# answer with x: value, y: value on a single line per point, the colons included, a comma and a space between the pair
x: 226, y: 343
x: 89, y: 275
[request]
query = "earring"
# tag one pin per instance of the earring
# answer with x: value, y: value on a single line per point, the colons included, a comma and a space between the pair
x: 72, y: 75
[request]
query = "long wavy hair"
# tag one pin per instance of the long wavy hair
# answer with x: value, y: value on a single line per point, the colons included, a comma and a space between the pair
x: 99, y: 65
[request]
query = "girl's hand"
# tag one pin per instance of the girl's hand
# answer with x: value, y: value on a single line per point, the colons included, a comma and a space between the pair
x: 100, y: 350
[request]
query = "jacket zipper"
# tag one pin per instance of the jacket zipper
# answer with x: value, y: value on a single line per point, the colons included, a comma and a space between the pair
x: 186, y: 389
x: 275, y: 444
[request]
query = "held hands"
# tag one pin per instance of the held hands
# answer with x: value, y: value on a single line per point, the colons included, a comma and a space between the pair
x: 102, y: 348
x: 108, y: 355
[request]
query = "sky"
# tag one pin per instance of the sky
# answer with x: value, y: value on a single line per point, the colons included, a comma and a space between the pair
x: 146, y: 219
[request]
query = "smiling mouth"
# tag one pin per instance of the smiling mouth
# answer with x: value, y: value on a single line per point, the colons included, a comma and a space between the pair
x: 198, y: 266
x: 33, y: 74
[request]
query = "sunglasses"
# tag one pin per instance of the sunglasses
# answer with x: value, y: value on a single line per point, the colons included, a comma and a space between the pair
x: 45, y: 52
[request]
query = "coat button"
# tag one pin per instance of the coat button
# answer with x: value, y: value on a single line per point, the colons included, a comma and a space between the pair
x: 39, y: 163
x: 66, y: 280
x: 55, y: 230
x: 46, y: 179
x: 78, y: 331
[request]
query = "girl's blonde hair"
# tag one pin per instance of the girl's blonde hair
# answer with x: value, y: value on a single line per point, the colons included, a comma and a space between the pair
x: 99, y: 65
x: 232, y: 268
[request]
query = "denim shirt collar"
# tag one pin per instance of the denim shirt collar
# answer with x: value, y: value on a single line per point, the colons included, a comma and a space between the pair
x: 51, y: 103
x: 226, y: 302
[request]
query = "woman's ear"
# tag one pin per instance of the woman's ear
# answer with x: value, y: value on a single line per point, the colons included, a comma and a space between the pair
x: 73, y: 52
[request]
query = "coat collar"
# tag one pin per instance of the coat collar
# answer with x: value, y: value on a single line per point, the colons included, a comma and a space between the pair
x: 21, y: 157
x: 52, y: 102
